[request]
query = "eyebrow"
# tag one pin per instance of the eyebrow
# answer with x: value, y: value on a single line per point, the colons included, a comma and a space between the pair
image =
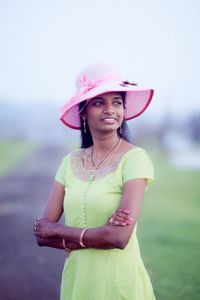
x: 117, y: 97
x: 101, y: 98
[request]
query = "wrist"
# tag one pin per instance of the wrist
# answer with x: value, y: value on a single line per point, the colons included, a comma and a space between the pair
x: 81, y: 238
x: 60, y: 231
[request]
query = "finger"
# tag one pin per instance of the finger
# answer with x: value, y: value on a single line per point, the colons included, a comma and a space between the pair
x: 129, y: 221
x: 116, y: 223
x: 110, y: 220
x: 123, y: 210
x: 117, y: 218
x: 41, y: 235
x: 35, y: 226
x: 122, y: 213
x: 126, y: 211
x: 120, y: 217
x: 122, y: 222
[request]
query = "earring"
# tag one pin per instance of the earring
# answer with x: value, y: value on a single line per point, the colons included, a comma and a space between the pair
x: 120, y: 130
x: 84, y: 125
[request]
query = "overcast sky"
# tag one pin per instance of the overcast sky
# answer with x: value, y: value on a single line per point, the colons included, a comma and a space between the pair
x: 44, y: 44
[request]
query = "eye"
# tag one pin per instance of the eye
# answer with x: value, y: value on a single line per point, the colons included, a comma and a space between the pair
x: 118, y: 102
x: 97, y: 103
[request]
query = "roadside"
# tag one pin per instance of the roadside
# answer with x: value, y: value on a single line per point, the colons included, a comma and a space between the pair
x: 27, y: 271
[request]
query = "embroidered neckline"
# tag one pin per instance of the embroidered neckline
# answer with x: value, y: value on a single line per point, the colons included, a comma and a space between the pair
x: 91, y: 174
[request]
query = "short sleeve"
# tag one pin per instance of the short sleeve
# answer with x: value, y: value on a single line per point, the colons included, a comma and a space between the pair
x: 138, y: 165
x: 61, y: 172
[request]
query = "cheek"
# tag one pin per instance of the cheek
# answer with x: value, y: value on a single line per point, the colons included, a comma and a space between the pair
x: 122, y: 112
x: 92, y: 116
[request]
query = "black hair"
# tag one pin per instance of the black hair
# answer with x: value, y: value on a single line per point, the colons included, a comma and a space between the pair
x: 86, y: 137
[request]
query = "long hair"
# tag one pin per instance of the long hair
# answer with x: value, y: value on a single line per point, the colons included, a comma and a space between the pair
x: 86, y: 137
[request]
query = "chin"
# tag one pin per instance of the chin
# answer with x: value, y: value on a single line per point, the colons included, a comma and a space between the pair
x: 107, y: 129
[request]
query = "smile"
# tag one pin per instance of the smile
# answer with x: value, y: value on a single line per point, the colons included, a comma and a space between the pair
x: 109, y: 118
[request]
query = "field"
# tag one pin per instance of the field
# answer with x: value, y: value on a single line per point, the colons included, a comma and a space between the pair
x: 11, y: 153
x: 168, y: 228
x: 169, y: 232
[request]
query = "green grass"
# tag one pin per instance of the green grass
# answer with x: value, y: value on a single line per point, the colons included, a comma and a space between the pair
x: 169, y: 232
x: 11, y: 153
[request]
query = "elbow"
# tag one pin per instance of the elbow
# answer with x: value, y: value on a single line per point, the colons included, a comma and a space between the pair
x: 115, y: 239
x: 121, y: 243
x: 39, y: 242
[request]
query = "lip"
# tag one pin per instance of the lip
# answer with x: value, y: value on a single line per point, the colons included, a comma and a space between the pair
x: 109, y: 120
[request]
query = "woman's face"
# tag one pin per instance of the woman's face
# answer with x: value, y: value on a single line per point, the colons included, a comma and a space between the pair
x: 105, y: 112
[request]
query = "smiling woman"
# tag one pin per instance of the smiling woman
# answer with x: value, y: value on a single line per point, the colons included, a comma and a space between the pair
x: 100, y: 187
x: 106, y: 109
x: 111, y: 107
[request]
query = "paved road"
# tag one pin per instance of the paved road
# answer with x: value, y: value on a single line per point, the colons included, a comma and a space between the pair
x: 28, y: 272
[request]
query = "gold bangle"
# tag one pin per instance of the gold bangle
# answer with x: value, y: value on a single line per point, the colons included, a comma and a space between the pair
x: 81, y: 237
x: 64, y: 246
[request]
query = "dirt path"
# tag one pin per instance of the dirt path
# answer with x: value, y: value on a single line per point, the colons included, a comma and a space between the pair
x: 27, y: 271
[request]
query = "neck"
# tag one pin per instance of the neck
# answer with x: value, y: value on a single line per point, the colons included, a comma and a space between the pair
x: 105, y: 143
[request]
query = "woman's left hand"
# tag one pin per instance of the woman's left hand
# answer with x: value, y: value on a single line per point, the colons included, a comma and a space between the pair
x: 45, y: 228
x: 120, y: 218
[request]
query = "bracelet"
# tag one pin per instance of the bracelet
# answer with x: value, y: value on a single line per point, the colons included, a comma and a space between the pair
x: 81, y: 237
x: 65, y: 247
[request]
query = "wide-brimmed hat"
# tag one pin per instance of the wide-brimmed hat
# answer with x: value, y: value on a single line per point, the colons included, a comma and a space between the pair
x: 100, y: 79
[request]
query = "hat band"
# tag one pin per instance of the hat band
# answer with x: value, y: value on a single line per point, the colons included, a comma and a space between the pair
x: 86, y: 84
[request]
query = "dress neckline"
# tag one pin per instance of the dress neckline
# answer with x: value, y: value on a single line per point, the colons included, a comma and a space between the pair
x: 91, y: 174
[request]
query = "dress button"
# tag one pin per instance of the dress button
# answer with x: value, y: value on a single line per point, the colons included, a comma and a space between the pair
x: 91, y: 177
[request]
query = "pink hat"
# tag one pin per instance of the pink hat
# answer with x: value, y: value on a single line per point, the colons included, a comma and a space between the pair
x: 99, y: 79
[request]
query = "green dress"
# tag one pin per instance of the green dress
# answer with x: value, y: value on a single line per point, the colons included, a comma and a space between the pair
x: 94, y: 274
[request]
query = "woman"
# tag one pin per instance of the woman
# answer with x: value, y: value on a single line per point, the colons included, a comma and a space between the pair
x: 100, y: 188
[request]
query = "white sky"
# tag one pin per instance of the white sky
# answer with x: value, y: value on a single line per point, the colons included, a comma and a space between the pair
x: 45, y: 43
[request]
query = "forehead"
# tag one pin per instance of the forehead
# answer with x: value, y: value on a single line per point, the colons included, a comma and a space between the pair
x: 108, y: 95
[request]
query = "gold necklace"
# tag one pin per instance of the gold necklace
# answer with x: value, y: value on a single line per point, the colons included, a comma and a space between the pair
x: 111, y: 153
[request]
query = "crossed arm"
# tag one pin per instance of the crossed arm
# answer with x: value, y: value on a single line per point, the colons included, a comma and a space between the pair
x: 115, y: 234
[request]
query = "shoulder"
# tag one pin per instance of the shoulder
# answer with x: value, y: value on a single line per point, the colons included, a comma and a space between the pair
x: 135, y: 151
x: 131, y: 151
x: 65, y: 161
x: 65, y: 167
x: 136, y: 163
x: 136, y: 157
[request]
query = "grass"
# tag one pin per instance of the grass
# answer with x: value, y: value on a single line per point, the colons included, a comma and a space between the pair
x: 169, y: 232
x: 11, y: 153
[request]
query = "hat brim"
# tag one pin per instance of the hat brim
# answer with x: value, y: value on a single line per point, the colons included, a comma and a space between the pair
x: 137, y: 101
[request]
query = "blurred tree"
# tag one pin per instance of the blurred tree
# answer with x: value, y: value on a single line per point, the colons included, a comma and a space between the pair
x: 194, y: 127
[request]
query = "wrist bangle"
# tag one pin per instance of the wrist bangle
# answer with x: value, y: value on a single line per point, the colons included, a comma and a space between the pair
x: 81, y: 237
x: 65, y: 247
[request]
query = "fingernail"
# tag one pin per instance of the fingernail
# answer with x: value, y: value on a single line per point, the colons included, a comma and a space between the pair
x: 126, y: 211
x: 111, y: 219
x: 129, y: 222
x: 123, y: 223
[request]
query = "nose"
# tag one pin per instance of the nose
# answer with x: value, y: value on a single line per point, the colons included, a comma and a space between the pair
x: 108, y: 109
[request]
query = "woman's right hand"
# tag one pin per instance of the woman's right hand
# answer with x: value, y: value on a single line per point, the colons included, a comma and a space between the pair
x: 120, y: 218
x: 45, y: 228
